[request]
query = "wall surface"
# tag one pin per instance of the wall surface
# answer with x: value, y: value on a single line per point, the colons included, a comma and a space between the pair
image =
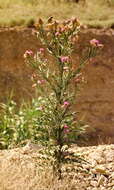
x: 96, y: 100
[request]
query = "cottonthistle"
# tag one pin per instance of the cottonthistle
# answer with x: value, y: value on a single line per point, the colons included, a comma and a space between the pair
x: 58, y: 121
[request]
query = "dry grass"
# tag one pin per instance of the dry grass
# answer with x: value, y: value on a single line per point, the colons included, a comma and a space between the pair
x: 95, y: 13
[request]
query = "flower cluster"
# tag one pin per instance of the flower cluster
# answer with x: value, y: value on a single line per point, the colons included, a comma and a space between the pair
x: 58, y: 27
x: 65, y: 32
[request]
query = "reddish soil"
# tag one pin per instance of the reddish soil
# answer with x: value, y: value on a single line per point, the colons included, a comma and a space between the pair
x: 96, y: 101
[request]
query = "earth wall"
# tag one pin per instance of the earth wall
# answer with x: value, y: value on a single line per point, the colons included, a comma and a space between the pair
x: 96, y: 101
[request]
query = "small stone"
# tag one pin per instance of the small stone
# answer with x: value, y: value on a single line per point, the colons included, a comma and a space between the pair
x: 102, y: 188
x: 93, y: 171
x: 94, y: 163
x: 110, y: 156
x: 111, y: 184
x: 101, y: 170
x: 101, y: 161
x: 93, y: 183
x: 100, y: 180
x: 112, y: 176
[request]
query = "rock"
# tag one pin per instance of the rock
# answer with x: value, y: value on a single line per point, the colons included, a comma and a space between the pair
x: 101, y: 170
x: 112, y: 176
x: 94, y: 163
x: 98, y: 157
x: 101, y: 180
x: 30, y: 147
x: 111, y: 185
x: 109, y: 156
x: 93, y: 183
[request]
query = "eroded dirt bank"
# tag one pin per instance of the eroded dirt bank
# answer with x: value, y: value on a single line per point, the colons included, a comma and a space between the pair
x: 97, y: 98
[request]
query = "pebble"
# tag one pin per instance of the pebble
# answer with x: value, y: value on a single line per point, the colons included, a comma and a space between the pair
x: 93, y: 183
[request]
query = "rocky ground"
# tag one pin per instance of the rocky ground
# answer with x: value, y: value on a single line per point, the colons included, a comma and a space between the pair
x: 19, y: 170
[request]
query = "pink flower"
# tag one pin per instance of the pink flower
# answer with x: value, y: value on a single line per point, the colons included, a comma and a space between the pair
x: 63, y: 29
x: 64, y: 59
x: 66, y: 126
x: 66, y: 131
x: 28, y: 53
x: 66, y: 103
x: 95, y: 43
x: 41, y: 50
x: 57, y: 34
x: 40, y: 108
x: 41, y: 81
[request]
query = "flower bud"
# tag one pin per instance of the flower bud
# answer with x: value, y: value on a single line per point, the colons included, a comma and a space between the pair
x: 95, y: 43
x: 41, y: 81
x: 50, y: 19
x: 66, y: 126
x: 28, y: 53
x: 41, y: 50
x: 40, y: 21
x: 57, y: 34
x: 64, y: 59
x: 65, y: 104
x: 34, y: 85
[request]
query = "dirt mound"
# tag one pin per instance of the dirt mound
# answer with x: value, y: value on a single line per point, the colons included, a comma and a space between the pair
x: 23, y: 169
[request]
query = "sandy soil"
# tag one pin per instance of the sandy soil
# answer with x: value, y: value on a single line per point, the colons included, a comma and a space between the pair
x: 21, y: 169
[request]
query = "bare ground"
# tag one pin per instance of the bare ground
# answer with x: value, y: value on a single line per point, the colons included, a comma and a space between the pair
x: 23, y: 169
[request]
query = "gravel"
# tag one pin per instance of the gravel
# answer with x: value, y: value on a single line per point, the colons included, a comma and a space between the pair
x: 18, y: 168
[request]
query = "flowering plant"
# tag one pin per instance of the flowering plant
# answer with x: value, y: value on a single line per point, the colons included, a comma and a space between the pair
x: 59, y: 83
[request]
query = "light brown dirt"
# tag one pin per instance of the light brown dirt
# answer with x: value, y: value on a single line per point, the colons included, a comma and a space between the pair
x: 20, y: 169
x: 96, y: 101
